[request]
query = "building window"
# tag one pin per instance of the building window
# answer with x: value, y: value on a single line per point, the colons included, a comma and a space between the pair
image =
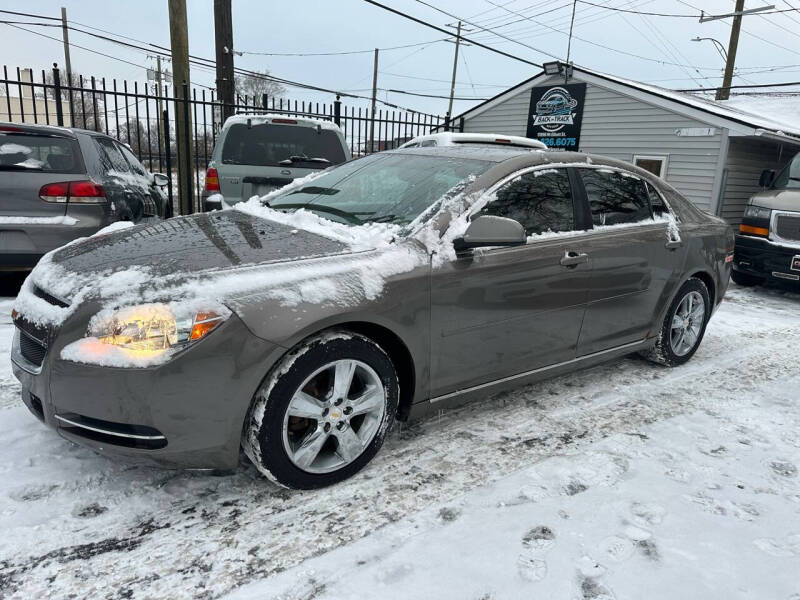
x: 657, y: 165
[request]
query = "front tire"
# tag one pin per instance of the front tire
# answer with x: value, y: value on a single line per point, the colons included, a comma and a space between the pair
x: 745, y: 279
x: 684, y: 325
x: 323, y: 412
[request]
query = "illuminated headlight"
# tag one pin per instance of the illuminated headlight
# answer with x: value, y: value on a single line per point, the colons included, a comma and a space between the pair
x: 138, y: 336
x: 757, y: 212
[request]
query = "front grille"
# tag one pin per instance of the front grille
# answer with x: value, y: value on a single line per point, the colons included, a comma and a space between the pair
x: 31, y: 349
x: 788, y: 227
x: 48, y: 297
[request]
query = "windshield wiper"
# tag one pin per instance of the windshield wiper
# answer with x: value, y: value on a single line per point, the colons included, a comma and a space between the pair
x: 304, y: 158
x: 349, y: 217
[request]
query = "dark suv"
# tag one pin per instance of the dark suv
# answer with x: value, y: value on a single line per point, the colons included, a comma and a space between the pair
x: 60, y: 184
x: 768, y: 243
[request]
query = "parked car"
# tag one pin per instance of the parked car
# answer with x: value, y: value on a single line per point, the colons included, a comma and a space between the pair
x: 473, y: 139
x: 60, y: 184
x: 256, y: 154
x: 411, y: 280
x: 768, y: 242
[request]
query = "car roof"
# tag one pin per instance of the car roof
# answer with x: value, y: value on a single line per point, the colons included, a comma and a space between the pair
x: 457, y: 137
x: 487, y: 153
x: 47, y: 129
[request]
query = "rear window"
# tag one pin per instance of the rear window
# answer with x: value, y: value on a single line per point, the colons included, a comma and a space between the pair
x: 266, y: 145
x: 50, y: 154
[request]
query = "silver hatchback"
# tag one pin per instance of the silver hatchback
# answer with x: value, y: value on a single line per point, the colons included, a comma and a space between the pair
x: 256, y: 154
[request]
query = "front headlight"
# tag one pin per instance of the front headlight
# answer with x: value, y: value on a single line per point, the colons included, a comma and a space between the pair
x: 138, y: 336
x: 757, y: 212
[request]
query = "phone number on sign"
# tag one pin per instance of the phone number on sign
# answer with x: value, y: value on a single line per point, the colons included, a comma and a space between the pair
x: 559, y: 141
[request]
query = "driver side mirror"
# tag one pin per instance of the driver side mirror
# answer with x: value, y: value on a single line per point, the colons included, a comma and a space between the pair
x: 488, y: 230
x: 767, y: 178
x: 160, y: 179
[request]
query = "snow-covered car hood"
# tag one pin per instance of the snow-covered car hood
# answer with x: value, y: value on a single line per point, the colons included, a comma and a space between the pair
x: 228, y: 257
x: 197, y: 243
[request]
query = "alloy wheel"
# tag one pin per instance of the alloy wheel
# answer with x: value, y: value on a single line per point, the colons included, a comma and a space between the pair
x: 333, y: 416
x: 687, y: 323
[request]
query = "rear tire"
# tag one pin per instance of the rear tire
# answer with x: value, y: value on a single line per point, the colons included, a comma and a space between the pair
x: 746, y: 279
x: 684, y: 325
x: 323, y: 412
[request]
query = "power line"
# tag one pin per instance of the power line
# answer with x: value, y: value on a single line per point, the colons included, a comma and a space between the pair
x: 370, y: 51
x: 467, y: 40
x: 736, y: 87
x: 679, y: 16
x: 22, y: 14
x: 449, y: 14
x: 639, y: 56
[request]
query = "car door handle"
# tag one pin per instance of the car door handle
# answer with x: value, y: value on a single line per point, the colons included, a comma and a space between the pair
x: 674, y: 244
x: 573, y: 259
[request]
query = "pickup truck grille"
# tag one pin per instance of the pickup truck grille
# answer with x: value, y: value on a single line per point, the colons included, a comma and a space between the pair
x: 787, y: 227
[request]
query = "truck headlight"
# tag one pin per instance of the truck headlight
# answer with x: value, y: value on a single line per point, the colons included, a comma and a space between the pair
x: 757, y: 212
x: 138, y: 336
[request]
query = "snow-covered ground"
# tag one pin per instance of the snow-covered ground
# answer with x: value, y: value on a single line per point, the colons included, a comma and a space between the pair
x: 624, y: 481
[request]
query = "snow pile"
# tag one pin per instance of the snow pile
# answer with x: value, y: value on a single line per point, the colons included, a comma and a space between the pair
x: 62, y: 220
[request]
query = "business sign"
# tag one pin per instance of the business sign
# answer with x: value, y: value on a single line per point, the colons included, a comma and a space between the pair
x: 555, y: 113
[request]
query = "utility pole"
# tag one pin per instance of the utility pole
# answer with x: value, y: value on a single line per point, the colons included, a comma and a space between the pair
x: 65, y: 34
x: 158, y: 105
x: 223, y: 35
x: 179, y: 41
x: 374, y: 95
x: 724, y: 92
x: 453, y: 81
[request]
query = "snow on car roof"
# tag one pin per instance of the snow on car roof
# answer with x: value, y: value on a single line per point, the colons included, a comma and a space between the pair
x: 452, y: 138
x: 269, y: 117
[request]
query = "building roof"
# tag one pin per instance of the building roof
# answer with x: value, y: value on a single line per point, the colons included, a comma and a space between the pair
x: 775, y: 117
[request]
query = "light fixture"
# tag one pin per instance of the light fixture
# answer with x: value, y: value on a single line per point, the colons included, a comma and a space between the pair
x: 552, y: 68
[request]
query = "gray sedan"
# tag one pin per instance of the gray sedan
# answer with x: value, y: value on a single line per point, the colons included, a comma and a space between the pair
x: 299, y: 326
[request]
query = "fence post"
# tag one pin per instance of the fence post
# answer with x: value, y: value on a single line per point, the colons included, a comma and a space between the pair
x: 57, y: 90
x: 168, y: 161
x: 337, y: 110
x: 461, y: 124
x: 187, y: 161
x: 265, y: 102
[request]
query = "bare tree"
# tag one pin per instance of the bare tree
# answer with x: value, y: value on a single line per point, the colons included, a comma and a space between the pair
x: 255, y: 86
x: 87, y: 107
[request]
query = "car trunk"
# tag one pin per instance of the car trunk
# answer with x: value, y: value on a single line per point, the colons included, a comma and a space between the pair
x: 27, y: 163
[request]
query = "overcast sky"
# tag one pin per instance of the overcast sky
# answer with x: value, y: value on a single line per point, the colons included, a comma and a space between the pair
x: 637, y: 47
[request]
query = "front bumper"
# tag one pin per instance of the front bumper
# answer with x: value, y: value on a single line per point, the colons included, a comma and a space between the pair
x: 763, y: 258
x: 187, y: 413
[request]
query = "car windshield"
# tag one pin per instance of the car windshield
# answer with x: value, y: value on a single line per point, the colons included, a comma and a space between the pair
x: 789, y: 177
x: 51, y: 154
x: 270, y: 145
x: 387, y: 188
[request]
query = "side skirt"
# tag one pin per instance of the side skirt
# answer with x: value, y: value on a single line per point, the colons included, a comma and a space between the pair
x: 490, y: 388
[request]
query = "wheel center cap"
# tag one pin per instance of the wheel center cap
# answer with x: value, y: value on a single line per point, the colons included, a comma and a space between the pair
x: 335, y: 414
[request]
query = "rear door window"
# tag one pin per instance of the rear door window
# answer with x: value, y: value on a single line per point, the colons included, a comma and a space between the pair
x: 134, y: 163
x: 267, y: 144
x: 111, y: 156
x: 614, y: 197
x: 44, y: 153
x: 540, y: 200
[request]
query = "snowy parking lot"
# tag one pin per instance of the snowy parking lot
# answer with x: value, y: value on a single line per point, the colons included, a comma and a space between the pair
x: 627, y: 480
